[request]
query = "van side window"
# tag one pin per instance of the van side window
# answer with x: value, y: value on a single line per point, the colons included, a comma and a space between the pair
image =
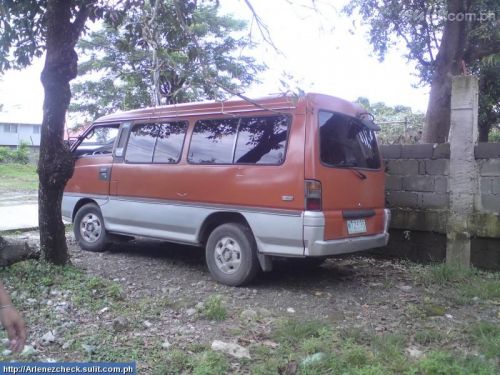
x: 262, y: 140
x: 346, y: 142
x: 156, y: 143
x: 213, y: 141
x: 244, y: 140
x: 169, y: 142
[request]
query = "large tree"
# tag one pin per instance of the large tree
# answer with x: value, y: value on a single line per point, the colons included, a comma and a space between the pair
x: 149, y: 59
x: 29, y: 28
x: 443, y: 37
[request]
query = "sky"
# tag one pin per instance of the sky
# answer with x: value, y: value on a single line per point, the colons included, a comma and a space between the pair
x: 318, y: 48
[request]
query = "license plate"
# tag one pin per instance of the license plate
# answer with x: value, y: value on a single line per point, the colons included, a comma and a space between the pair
x: 356, y: 226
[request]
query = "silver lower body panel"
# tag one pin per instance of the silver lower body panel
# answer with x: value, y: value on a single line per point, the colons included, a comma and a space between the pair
x: 276, y: 232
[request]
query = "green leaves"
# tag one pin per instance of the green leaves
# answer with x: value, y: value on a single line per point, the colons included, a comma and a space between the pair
x: 22, y: 32
x: 419, y: 26
x: 197, y: 51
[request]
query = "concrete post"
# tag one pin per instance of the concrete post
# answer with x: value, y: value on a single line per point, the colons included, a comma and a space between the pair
x: 463, y: 178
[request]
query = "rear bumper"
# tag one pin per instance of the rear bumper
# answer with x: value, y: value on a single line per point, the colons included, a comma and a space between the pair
x: 316, y: 246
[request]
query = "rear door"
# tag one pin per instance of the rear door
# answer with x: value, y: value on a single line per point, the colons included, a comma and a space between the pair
x: 351, y: 175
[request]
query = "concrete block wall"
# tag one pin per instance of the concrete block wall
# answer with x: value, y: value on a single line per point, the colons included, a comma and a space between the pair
x: 417, y: 175
x: 418, y: 193
x: 417, y: 185
x: 488, y: 162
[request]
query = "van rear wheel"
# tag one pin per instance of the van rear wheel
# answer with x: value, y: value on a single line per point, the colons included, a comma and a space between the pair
x: 231, y: 254
x: 89, y: 229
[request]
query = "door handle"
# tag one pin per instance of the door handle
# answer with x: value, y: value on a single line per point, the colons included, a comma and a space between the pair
x: 104, y: 173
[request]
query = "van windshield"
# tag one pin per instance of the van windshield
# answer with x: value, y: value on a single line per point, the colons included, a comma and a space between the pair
x: 346, y: 142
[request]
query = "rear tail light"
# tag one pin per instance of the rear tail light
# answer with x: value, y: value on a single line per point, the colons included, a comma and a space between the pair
x: 312, y: 192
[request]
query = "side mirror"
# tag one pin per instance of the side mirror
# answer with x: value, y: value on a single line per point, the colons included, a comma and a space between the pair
x: 90, y: 134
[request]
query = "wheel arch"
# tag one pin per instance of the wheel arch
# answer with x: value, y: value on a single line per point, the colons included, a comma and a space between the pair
x: 82, y: 202
x: 215, y: 219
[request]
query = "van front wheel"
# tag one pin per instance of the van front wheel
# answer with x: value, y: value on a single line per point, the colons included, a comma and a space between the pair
x: 89, y: 230
x: 231, y: 254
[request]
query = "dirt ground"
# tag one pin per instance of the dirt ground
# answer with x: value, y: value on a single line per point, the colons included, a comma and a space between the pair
x: 371, y: 294
x: 164, y: 287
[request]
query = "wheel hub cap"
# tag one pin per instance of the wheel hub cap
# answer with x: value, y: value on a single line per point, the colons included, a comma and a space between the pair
x: 91, y: 228
x: 227, y: 255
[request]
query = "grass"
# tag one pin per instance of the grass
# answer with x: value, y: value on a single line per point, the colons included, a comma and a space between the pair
x: 309, y: 346
x: 317, y: 348
x: 18, y: 177
x: 204, y: 362
x: 458, y: 285
x: 428, y: 336
x: 214, y: 308
x: 34, y: 284
x: 442, y: 274
x: 40, y: 281
x: 486, y: 336
x: 444, y: 363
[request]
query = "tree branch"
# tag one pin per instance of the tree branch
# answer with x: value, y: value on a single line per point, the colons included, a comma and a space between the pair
x: 80, y: 19
x: 428, y: 36
x: 264, y: 30
x: 205, y: 64
x: 419, y: 58
x: 475, y: 52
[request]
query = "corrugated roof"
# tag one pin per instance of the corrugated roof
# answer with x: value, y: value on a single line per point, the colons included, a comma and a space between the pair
x: 20, y: 118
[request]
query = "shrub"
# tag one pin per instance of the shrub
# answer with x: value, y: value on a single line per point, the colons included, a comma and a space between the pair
x: 4, y: 154
x: 19, y: 155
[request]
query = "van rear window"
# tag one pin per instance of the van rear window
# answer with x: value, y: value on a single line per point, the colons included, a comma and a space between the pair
x: 346, y: 142
x: 245, y: 140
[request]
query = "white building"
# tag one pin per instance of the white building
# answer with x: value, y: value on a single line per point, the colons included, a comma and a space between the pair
x: 12, y: 134
x: 17, y: 127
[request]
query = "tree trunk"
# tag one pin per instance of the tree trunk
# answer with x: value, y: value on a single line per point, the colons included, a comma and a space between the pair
x: 16, y: 251
x: 488, y: 89
x: 156, y: 76
x: 56, y: 163
x: 448, y: 63
x: 484, y: 131
x: 154, y: 44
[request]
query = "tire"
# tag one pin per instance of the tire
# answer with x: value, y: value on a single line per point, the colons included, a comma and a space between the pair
x: 89, y: 229
x: 231, y: 254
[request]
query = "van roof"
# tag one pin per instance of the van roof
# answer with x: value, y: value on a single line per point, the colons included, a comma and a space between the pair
x: 272, y: 103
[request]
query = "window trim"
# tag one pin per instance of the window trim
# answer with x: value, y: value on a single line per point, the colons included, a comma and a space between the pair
x: 289, y: 122
x: 156, y: 122
x: 78, y: 143
x: 345, y: 167
x: 7, y: 128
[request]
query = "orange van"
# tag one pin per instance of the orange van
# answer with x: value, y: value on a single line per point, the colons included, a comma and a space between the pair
x: 249, y: 181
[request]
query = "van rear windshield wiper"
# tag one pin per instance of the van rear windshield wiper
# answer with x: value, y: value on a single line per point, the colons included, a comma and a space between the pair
x: 351, y: 167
